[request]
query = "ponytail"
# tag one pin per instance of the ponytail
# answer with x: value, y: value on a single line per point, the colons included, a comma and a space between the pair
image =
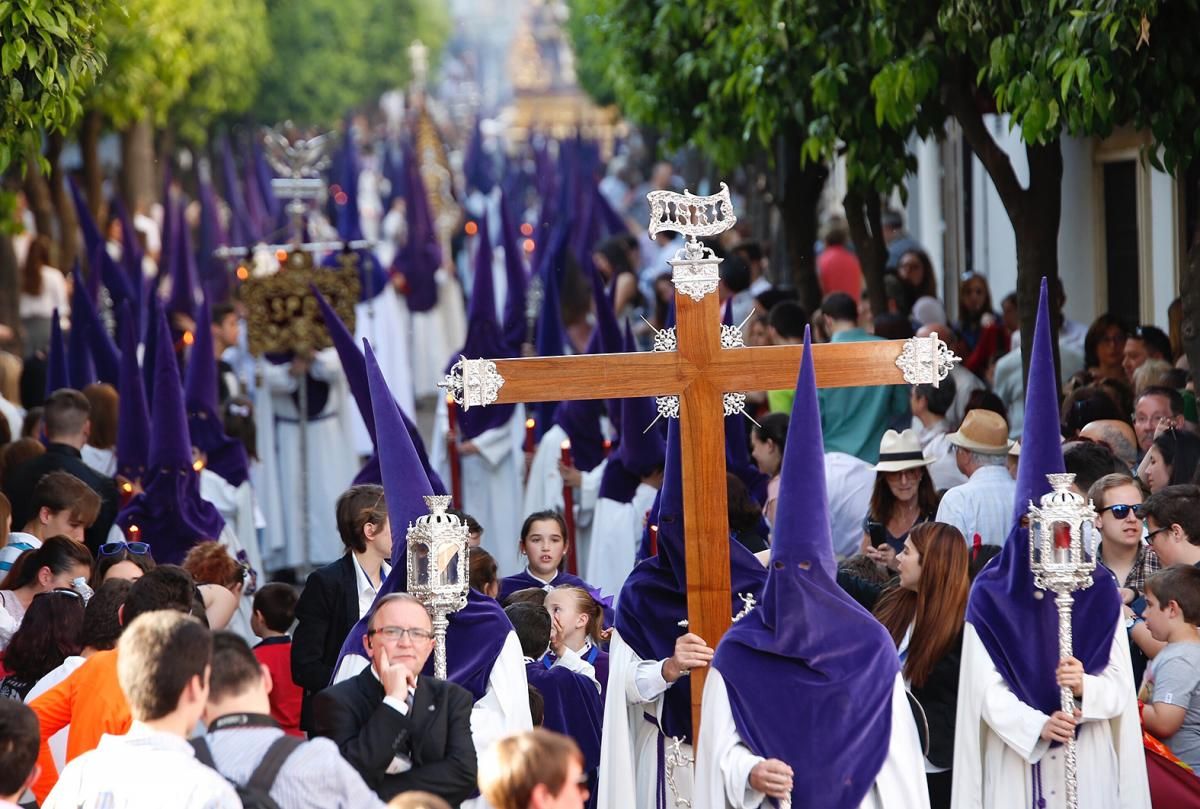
x: 590, y: 607
x: 59, y: 553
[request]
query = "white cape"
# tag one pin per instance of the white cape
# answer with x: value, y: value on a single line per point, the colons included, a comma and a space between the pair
x: 723, y: 762
x: 616, y: 535
x: 997, y: 739
x: 385, y: 321
x: 628, y: 775
x: 437, y: 334
x: 491, y: 483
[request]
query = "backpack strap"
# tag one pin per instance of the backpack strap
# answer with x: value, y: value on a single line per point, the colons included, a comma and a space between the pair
x: 263, y: 777
x: 203, y: 754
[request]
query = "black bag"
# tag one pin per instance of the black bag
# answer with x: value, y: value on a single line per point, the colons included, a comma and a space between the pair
x: 256, y: 794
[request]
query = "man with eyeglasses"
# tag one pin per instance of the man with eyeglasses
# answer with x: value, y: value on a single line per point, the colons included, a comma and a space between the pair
x: 401, y: 730
x: 1156, y: 406
x: 1118, y: 501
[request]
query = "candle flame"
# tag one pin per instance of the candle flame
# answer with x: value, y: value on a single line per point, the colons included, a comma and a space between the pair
x: 529, y: 424
x: 449, y: 399
x: 242, y: 273
x: 128, y: 487
x: 133, y: 529
x: 566, y: 444
x: 188, y: 338
x: 281, y: 255
x: 197, y: 464
x: 471, y: 228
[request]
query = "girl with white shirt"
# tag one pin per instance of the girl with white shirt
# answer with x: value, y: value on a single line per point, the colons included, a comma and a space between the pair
x: 43, y: 289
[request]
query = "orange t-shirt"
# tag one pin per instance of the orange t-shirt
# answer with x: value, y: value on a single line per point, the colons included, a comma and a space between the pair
x: 91, y: 702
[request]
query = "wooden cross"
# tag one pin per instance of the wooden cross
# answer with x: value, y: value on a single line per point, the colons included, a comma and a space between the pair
x: 699, y: 372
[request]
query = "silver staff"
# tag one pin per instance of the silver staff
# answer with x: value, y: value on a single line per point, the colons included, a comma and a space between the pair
x: 437, y: 569
x: 1062, y: 565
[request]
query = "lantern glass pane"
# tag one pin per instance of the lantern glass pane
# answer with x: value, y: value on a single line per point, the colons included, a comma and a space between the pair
x: 420, y: 559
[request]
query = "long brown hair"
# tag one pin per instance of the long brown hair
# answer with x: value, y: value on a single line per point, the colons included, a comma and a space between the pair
x: 37, y: 257
x: 883, y: 502
x: 939, y: 605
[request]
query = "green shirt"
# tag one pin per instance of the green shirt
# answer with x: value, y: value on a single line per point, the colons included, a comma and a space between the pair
x: 853, y: 420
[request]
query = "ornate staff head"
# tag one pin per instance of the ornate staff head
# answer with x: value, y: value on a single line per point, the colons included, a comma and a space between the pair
x: 1057, y: 556
x: 437, y: 569
x: 694, y: 268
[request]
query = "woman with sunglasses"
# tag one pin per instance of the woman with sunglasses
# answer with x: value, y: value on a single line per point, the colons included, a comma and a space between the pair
x: 121, y: 560
x: 51, y: 632
x: 53, y: 566
x: 1118, y: 500
x: 903, y: 496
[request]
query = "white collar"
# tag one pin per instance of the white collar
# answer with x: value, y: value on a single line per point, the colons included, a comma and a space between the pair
x: 363, y: 582
x: 546, y: 583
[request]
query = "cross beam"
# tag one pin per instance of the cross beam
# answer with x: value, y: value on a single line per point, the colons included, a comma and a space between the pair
x: 699, y: 371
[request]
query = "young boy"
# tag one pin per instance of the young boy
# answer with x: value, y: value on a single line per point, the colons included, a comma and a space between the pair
x: 274, y: 611
x: 18, y: 753
x: 61, y: 504
x: 1172, y: 711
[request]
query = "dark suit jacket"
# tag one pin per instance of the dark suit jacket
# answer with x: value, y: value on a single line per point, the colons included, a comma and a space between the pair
x: 938, y: 700
x: 326, y: 612
x: 66, y: 458
x: 435, y: 735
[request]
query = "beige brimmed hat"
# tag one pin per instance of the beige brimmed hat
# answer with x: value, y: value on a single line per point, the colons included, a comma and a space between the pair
x: 900, y: 451
x: 982, y: 431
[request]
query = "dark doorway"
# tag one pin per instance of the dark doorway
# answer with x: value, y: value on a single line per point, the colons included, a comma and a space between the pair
x: 1121, y: 240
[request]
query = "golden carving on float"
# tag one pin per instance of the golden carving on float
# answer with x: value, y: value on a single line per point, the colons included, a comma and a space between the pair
x: 281, y: 312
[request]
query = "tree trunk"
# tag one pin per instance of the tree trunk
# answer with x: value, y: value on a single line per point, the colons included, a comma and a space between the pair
x: 137, y: 166
x: 164, y: 147
x: 864, y: 216
x: 799, y: 200
x: 68, y: 219
x: 9, y: 293
x: 37, y: 192
x: 93, y: 172
x: 1034, y: 212
x: 1190, y: 283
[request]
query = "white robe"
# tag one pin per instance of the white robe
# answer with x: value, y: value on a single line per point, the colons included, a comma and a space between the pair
x: 331, y: 464
x: 503, y: 708
x: 724, y: 762
x: 437, y: 334
x: 544, y: 491
x: 491, y: 483
x: 998, y: 737
x: 616, y: 535
x: 386, y: 322
x: 629, y: 742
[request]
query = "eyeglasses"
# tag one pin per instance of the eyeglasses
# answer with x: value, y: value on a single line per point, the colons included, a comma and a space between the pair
x: 1122, y: 510
x: 1151, y: 534
x: 115, y: 548
x: 401, y: 632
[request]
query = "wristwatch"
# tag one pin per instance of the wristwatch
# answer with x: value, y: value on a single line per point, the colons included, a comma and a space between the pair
x: 1132, y: 621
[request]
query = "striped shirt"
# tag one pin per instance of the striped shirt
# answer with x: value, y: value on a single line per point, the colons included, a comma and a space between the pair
x: 18, y: 543
x: 315, y: 776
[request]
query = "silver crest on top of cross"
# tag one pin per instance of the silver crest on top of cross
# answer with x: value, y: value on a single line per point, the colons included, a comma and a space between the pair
x: 695, y: 267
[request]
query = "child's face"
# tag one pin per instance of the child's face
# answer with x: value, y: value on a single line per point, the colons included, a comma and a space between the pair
x: 545, y: 546
x: 565, y: 608
x: 1158, y: 617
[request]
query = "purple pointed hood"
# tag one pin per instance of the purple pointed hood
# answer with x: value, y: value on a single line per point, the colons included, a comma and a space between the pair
x: 92, y: 353
x: 169, y: 513
x: 653, y: 599
x: 87, y: 223
x: 131, y: 256
x: 515, y: 325
x: 550, y: 336
x: 133, y: 414
x: 1018, y: 628
x: 241, y: 231
x: 838, y: 661
x: 58, y: 374
x: 226, y: 455
x: 478, y: 631
x: 349, y: 226
x: 214, y: 276
x: 737, y: 448
x: 355, y: 368
x: 421, y: 255
x: 580, y: 420
x: 477, y: 164
x: 640, y: 452
x: 485, y: 338
x: 183, y: 267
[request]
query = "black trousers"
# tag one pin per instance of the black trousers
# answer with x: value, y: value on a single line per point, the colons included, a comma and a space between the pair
x: 939, y: 789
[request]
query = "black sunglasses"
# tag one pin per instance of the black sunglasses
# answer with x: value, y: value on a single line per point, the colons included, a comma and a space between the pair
x: 1121, y: 510
x: 114, y: 548
x: 1151, y: 534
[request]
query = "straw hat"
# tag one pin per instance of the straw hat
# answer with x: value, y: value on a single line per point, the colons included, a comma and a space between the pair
x: 899, y: 451
x: 982, y: 431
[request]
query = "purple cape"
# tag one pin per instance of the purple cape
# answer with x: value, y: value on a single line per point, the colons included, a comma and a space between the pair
x: 523, y: 581
x: 477, y: 632
x: 421, y: 256
x: 1018, y: 629
x: 573, y: 707
x: 654, y: 598
x: 838, y: 663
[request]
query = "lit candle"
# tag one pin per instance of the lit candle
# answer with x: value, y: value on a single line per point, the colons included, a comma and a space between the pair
x: 566, y: 452
x: 607, y: 447
x: 654, y: 540
x: 1062, y: 543
x: 529, y: 425
x: 451, y: 413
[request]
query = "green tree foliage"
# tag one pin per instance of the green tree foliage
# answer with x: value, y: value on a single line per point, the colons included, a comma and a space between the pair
x: 332, y: 55
x: 48, y: 59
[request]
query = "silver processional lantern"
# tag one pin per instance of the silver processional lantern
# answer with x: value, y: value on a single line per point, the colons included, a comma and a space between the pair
x: 437, y: 569
x: 1062, y: 565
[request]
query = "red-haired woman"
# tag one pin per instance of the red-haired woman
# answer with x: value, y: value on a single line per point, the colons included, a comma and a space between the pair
x: 924, y: 614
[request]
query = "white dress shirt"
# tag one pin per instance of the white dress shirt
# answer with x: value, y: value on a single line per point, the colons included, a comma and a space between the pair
x: 366, y: 590
x: 936, y: 446
x: 140, y: 769
x: 849, y: 484
x: 983, y: 505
